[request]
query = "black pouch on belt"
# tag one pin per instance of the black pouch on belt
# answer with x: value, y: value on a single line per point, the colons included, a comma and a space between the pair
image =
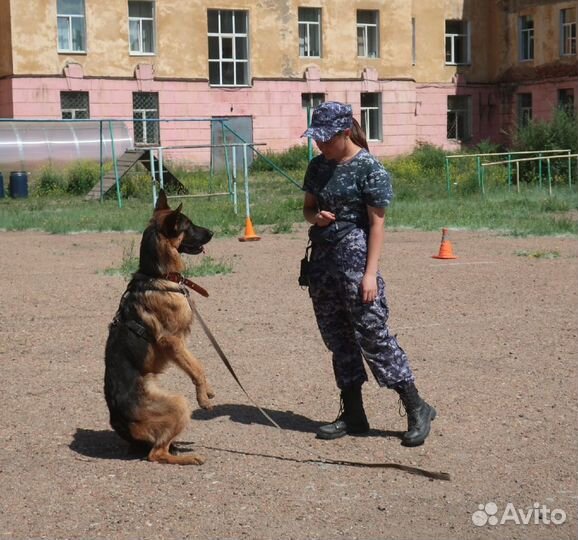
x: 332, y: 234
x: 305, y: 269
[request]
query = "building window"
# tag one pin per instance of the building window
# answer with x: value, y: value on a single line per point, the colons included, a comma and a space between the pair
x: 457, y: 42
x: 228, y: 47
x: 371, y: 115
x: 311, y: 100
x: 459, y: 126
x: 141, y: 22
x: 566, y: 99
x: 524, y: 109
x: 526, y: 38
x: 145, y: 106
x: 310, y: 32
x: 71, y: 26
x: 568, y: 31
x: 74, y: 105
x: 367, y: 33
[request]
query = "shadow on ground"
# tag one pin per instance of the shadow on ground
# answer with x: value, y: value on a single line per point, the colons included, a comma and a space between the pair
x: 287, y: 420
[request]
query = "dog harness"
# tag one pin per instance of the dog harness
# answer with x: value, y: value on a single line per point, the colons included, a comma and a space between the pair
x: 133, y: 322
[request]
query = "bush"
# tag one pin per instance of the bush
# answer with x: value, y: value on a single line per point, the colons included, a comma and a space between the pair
x: 82, y: 176
x: 559, y: 133
x: 419, y: 174
x: 292, y: 159
x: 50, y: 182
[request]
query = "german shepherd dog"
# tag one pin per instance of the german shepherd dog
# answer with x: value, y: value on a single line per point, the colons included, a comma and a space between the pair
x: 148, y: 334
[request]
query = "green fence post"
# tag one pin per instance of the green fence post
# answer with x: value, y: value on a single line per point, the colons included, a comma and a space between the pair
x: 118, y: 194
x: 309, y: 142
x: 549, y: 178
x: 448, y: 174
x: 540, y: 169
x: 101, y: 163
x: 479, y: 167
x: 509, y: 172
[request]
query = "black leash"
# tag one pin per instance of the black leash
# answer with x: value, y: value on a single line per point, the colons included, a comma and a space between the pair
x: 318, y: 458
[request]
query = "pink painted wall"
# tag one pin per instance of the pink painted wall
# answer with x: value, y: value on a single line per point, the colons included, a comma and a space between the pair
x: 411, y: 112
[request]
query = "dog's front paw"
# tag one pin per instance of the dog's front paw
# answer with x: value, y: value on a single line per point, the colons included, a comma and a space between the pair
x: 204, y: 403
x: 210, y: 392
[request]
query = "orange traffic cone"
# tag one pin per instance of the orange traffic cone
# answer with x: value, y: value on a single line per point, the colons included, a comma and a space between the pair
x: 250, y: 235
x: 445, y: 248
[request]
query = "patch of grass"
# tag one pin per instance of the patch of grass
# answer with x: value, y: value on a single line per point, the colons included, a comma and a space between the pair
x: 538, y: 254
x: 276, y: 204
x: 208, y: 266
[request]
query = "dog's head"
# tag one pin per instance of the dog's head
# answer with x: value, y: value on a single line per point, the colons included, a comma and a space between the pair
x: 168, y: 234
x: 178, y: 229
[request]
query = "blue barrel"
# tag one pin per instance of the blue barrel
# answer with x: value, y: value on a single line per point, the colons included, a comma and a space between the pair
x: 1, y: 186
x: 18, y: 184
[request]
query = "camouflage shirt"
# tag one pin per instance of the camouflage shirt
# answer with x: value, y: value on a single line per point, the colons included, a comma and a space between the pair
x: 346, y: 189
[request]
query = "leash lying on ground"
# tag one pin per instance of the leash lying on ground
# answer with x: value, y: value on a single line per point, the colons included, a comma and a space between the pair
x: 318, y: 458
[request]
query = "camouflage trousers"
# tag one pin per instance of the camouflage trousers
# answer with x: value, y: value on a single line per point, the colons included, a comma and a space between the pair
x: 352, y: 330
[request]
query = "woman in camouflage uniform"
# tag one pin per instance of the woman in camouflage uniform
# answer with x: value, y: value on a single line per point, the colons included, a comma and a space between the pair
x: 346, y: 193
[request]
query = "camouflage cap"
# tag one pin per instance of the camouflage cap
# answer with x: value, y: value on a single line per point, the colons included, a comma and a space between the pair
x: 329, y: 119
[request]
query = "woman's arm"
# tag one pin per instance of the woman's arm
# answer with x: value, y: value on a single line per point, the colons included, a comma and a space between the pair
x: 313, y: 215
x: 374, y: 243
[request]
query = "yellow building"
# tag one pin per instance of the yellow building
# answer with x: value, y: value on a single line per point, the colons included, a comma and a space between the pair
x: 445, y: 72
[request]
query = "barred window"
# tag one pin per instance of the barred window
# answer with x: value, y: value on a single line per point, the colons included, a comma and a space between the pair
x: 459, y: 124
x: 74, y: 105
x: 71, y: 26
x: 145, y: 107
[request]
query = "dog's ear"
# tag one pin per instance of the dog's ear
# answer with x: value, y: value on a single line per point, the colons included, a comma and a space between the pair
x: 170, y: 222
x: 162, y: 203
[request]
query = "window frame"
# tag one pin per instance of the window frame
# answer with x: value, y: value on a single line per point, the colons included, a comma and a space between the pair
x: 313, y: 98
x: 141, y: 41
x: 367, y: 123
x: 233, y: 38
x: 145, y: 121
x: 567, y: 33
x: 459, y: 113
x: 365, y: 29
x: 524, y: 111
x: 74, y: 111
x: 305, y: 47
x: 526, y: 33
x: 454, y: 40
x: 566, y: 100
x: 68, y: 18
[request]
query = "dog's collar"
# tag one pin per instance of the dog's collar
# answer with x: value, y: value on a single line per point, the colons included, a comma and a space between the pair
x: 175, y: 277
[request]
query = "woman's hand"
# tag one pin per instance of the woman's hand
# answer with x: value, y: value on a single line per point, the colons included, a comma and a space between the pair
x: 369, y: 288
x: 324, y: 218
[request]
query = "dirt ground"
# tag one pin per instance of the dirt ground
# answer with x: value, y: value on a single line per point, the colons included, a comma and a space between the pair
x: 491, y: 337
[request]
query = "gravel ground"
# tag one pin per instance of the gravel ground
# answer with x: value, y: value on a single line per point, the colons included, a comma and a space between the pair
x: 490, y: 336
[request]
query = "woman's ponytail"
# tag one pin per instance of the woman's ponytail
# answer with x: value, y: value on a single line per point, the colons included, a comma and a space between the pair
x: 358, y: 136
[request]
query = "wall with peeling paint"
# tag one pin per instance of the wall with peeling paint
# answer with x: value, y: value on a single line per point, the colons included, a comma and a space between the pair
x: 413, y: 94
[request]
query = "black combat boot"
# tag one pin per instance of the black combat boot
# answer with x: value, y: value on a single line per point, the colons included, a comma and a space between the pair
x: 351, y: 419
x: 419, y: 415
